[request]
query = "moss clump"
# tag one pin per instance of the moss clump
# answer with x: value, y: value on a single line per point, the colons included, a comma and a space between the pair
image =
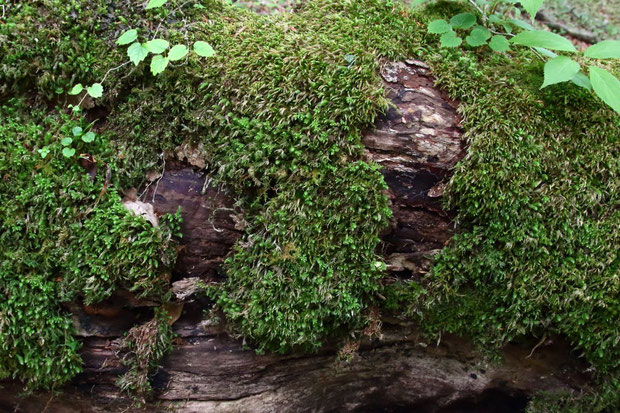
x: 279, y: 111
x: 605, y: 400
x: 537, y: 200
x: 59, y: 244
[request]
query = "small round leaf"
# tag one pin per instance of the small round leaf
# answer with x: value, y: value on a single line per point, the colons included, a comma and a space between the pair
x: 478, y: 36
x: 463, y: 21
x: 95, y: 90
x: 76, y: 89
x: 127, y: 37
x: 499, y: 43
x: 438, y: 27
x: 155, y: 3
x: 450, y: 39
x: 137, y: 52
x: 157, y: 46
x: 77, y: 131
x: 158, y: 64
x: 66, y: 141
x: 177, y: 52
x: 68, y: 152
x: 88, y: 137
x: 203, y: 49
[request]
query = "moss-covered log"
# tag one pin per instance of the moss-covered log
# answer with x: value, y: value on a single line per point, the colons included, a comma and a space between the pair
x: 417, y: 142
x: 294, y: 207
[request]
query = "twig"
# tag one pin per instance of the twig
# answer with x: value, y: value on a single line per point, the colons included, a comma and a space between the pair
x: 540, y: 343
x: 103, y: 80
x: 163, y: 171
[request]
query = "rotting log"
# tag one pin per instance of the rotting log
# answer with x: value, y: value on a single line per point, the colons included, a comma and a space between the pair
x: 417, y: 142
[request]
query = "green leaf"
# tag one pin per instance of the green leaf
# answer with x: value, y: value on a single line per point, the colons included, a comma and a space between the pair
x: 203, y: 49
x: 157, y: 46
x: 66, y: 141
x: 450, y: 39
x: 559, y: 69
x: 521, y: 24
x: 541, y: 38
x: 68, y: 152
x: 507, y: 27
x: 606, y: 86
x: 76, y: 89
x: 127, y: 37
x: 499, y: 43
x: 495, y: 18
x: 155, y: 3
x: 581, y: 80
x: 177, y: 52
x: 88, y: 137
x: 77, y: 131
x: 158, y: 64
x: 607, y: 49
x: 438, y: 27
x: 95, y: 90
x: 137, y: 53
x: 44, y: 151
x: 478, y: 36
x: 545, y: 52
x: 463, y: 21
x: 532, y: 7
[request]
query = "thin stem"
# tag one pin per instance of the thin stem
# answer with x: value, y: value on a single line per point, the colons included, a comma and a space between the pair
x: 494, y: 6
x: 473, y: 3
x: 104, y: 78
x: 113, y: 69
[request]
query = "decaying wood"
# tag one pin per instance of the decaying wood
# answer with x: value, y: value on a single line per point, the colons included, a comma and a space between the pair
x: 417, y: 143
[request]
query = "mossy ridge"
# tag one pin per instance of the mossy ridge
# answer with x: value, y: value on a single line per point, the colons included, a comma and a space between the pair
x: 59, y: 245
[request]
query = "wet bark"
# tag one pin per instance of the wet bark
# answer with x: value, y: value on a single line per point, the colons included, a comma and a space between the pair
x: 417, y: 142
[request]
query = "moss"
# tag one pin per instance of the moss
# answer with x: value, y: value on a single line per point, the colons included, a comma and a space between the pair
x: 536, y: 200
x: 58, y: 244
x: 280, y: 111
x: 605, y: 400
x: 141, y: 351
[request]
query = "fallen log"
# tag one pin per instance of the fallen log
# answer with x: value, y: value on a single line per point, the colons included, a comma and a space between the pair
x: 417, y: 142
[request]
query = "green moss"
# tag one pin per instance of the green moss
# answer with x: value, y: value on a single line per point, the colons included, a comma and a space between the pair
x: 537, y: 201
x: 280, y: 111
x: 605, y: 400
x: 58, y: 244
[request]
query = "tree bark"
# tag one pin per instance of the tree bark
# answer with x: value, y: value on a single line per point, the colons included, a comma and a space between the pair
x: 417, y: 142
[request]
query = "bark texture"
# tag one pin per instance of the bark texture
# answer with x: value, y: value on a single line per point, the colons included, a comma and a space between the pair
x: 417, y: 142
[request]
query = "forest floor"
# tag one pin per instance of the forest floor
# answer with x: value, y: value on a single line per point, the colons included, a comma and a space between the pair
x: 599, y: 17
